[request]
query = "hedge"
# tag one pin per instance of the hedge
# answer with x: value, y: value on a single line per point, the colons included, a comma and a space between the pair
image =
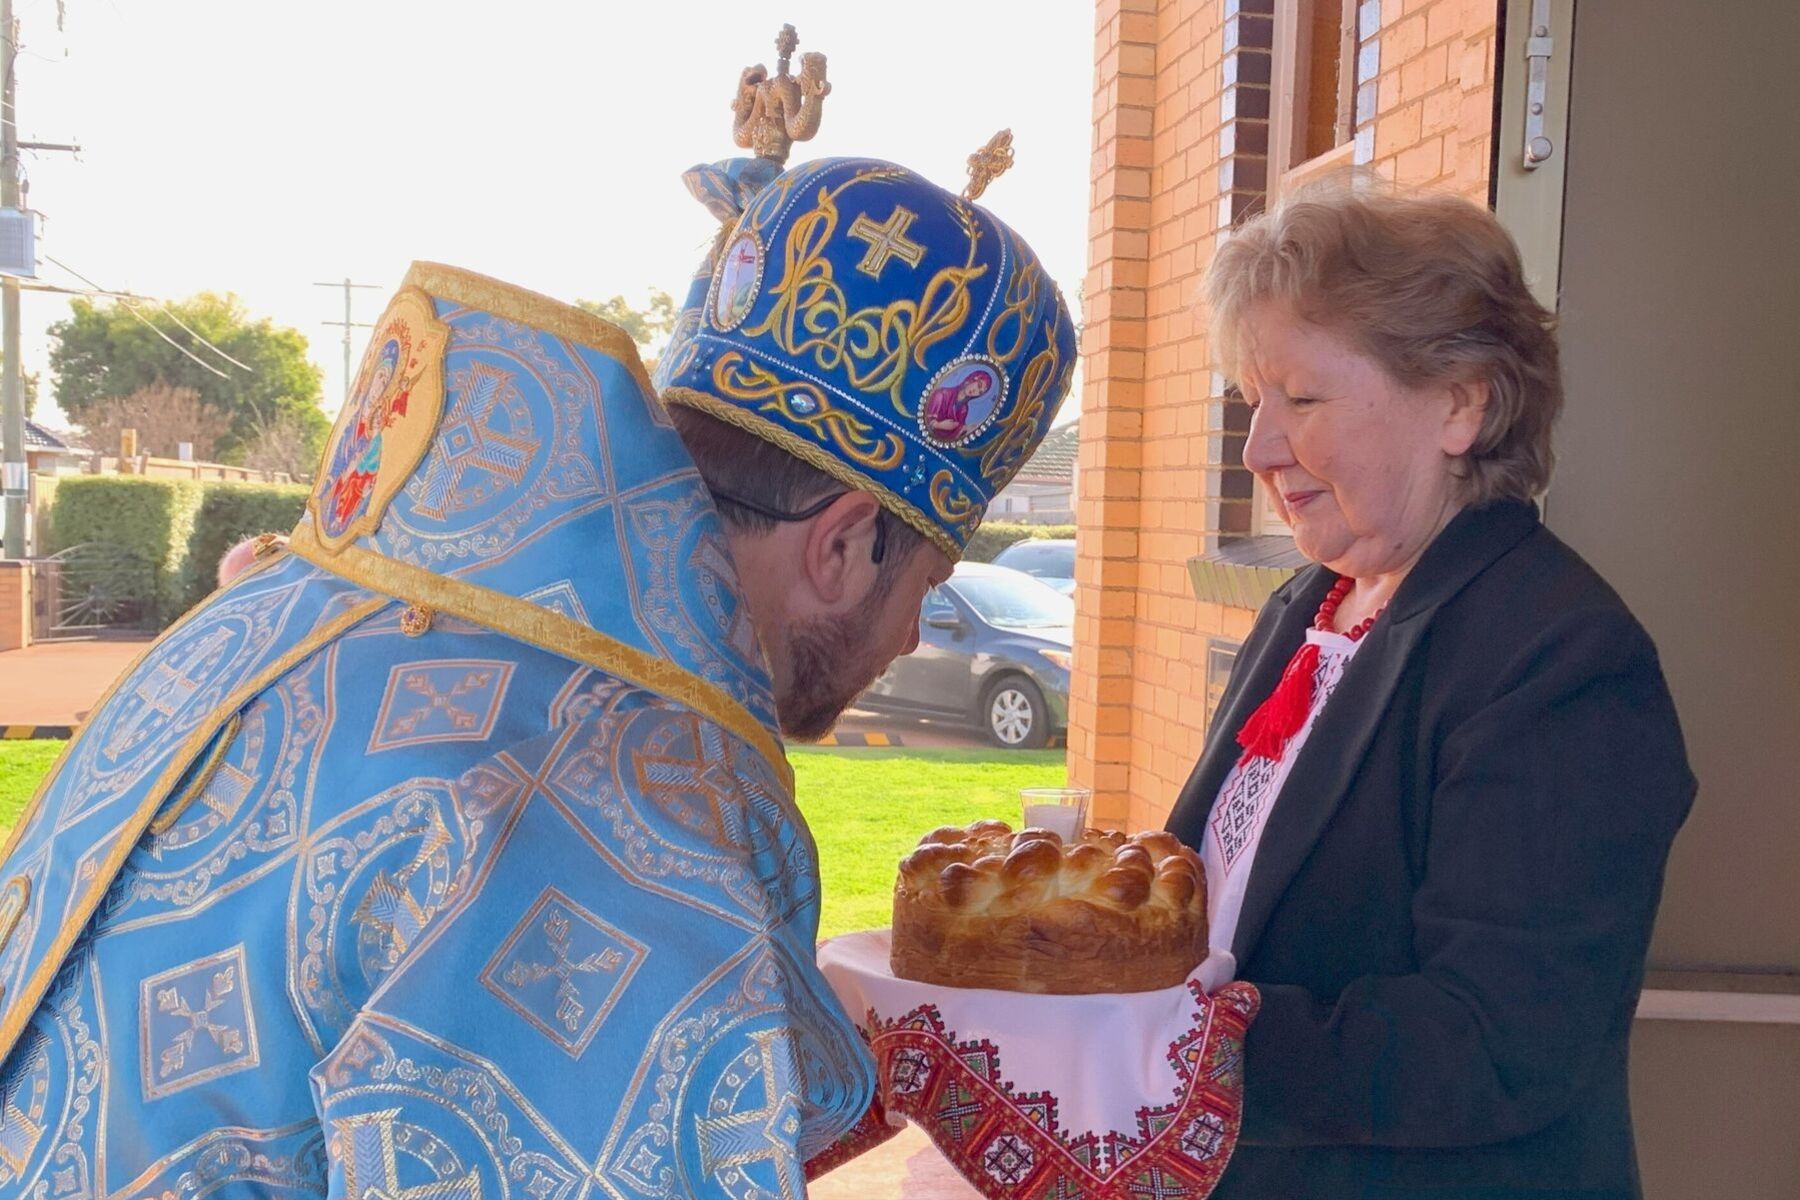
x: 229, y: 513
x: 153, y: 517
x: 182, y: 527
x: 995, y: 536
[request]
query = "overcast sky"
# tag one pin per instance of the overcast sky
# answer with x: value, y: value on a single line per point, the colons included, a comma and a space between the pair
x: 252, y: 147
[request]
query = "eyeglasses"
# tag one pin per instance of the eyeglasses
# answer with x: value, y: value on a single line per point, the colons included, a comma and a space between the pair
x: 876, y: 552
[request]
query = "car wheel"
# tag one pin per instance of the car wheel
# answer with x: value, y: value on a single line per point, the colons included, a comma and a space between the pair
x: 1014, y: 715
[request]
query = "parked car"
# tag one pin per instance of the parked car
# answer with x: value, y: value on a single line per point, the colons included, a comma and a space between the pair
x: 1049, y: 559
x: 994, y: 646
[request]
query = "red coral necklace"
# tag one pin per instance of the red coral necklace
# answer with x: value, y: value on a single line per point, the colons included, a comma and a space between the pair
x: 1280, y: 717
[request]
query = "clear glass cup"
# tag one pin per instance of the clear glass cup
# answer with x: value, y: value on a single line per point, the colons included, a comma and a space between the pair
x: 1063, y: 811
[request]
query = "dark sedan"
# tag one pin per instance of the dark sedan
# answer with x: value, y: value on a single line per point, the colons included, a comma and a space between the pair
x: 1049, y: 559
x: 993, y: 652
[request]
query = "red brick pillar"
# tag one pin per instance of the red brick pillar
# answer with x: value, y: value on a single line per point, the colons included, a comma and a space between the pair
x: 1112, y: 404
x: 15, y: 604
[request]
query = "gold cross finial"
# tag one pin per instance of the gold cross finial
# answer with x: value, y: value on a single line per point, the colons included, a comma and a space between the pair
x: 887, y: 240
x: 989, y: 163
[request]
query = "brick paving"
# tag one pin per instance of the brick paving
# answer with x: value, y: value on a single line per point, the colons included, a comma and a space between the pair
x: 56, y: 683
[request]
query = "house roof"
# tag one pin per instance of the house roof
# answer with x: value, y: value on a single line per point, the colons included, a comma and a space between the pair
x: 41, y: 438
x: 1054, y: 461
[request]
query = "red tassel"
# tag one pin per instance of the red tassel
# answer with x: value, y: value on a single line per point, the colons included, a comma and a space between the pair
x: 1280, y: 717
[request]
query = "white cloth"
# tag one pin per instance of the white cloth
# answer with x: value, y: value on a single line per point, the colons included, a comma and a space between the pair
x: 1045, y: 1043
x: 1248, y: 795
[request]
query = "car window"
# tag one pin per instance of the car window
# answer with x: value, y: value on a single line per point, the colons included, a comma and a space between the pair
x: 1015, y: 601
x: 936, y: 605
x: 1051, y: 560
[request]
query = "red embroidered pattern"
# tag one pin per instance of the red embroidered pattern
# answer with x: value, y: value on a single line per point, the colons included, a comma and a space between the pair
x: 1011, y: 1147
x: 863, y: 1137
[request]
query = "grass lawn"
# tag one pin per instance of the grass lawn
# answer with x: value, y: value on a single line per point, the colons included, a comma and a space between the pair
x: 867, y: 809
x: 22, y: 765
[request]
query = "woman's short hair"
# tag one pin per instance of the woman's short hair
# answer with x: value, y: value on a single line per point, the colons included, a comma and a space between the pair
x: 1428, y: 285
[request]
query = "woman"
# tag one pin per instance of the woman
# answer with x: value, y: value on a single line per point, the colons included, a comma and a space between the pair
x: 1439, y: 794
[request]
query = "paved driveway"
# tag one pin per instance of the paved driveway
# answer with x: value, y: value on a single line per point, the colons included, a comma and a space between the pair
x: 57, y: 683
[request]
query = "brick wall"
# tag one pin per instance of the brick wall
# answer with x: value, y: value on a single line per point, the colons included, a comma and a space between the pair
x: 1433, y: 99
x: 15, y: 605
x: 1181, y: 107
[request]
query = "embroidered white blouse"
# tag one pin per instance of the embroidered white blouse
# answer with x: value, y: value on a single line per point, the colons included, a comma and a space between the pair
x: 1248, y: 795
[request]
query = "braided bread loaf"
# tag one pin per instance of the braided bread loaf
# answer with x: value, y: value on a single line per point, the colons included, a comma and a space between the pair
x: 985, y: 907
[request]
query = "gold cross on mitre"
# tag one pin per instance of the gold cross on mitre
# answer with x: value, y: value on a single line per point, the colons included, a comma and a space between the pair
x: 989, y: 163
x: 887, y: 240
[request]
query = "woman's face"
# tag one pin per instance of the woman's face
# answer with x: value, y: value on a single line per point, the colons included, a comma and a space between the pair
x: 1361, y: 466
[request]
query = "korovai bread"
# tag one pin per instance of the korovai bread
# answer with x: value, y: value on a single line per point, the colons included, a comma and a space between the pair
x: 984, y: 907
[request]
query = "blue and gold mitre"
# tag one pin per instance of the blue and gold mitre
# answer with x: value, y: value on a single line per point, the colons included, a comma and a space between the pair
x: 886, y: 331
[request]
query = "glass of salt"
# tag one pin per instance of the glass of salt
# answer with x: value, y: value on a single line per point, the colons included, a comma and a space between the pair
x: 1063, y: 811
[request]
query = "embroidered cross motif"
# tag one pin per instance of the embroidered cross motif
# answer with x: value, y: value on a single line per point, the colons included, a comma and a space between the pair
x: 365, y: 1145
x: 562, y: 969
x: 441, y: 703
x: 453, y: 700
x: 228, y: 1038
x: 568, y: 1000
x: 165, y: 692
x: 196, y: 1023
x: 768, y: 1134
x: 886, y: 241
x: 470, y: 442
x: 22, y: 1107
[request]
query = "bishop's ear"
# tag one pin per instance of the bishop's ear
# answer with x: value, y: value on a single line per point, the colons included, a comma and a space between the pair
x: 838, y: 553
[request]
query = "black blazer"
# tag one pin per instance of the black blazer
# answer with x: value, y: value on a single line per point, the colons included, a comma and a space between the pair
x: 1450, y: 906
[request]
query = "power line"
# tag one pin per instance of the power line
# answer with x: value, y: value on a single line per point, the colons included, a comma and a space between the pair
x: 170, y: 309
x: 128, y: 307
x: 125, y: 301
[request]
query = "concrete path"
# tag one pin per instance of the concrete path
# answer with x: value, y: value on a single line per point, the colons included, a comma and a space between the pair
x: 916, y: 734
x: 907, y: 1167
x: 56, y: 683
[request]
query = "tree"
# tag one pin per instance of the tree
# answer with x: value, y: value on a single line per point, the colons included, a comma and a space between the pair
x: 283, y: 443
x: 163, y: 416
x: 647, y: 325
x: 102, y: 352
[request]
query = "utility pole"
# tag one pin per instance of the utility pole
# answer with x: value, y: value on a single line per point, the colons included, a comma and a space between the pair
x: 348, y: 322
x: 12, y: 385
x: 12, y: 374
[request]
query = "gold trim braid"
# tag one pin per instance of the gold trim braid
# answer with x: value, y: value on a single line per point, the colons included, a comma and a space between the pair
x: 812, y: 456
x: 530, y: 308
x: 547, y: 630
x: 21, y: 1004
x: 166, y: 819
